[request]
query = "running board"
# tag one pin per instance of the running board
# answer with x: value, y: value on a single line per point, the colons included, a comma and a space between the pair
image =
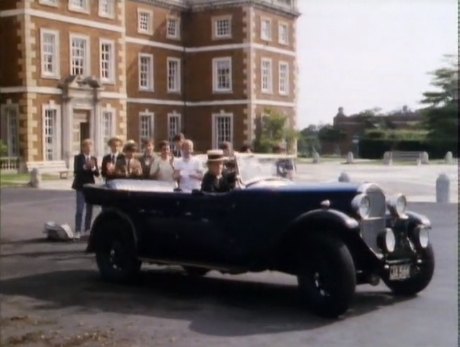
x: 220, y: 268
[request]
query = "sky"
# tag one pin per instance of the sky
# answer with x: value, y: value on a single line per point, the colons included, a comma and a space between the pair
x: 362, y: 54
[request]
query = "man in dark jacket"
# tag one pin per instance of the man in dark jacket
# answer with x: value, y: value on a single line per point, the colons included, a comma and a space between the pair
x: 110, y: 160
x: 85, y: 169
x: 216, y: 180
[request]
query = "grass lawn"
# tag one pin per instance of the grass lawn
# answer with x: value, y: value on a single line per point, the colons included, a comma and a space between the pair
x: 21, y: 180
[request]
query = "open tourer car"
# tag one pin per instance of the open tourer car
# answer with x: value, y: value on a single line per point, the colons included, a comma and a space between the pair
x: 332, y: 236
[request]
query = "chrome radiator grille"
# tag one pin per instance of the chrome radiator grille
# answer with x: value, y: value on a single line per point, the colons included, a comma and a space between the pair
x: 375, y: 223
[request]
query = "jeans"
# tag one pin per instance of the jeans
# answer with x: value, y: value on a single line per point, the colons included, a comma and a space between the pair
x: 79, y: 214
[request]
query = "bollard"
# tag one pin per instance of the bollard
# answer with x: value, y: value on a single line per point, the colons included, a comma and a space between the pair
x: 443, y: 188
x: 315, y: 158
x: 425, y: 158
x: 449, y: 158
x: 387, y: 158
x: 344, y: 177
x: 35, y: 178
x: 350, y: 158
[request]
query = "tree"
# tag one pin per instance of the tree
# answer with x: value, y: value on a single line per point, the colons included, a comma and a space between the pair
x: 3, y: 149
x: 441, y: 115
x: 445, y: 80
x: 274, y: 130
x: 308, y: 142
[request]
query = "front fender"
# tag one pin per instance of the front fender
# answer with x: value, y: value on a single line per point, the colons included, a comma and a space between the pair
x: 418, y: 219
x: 327, y: 216
x: 110, y: 215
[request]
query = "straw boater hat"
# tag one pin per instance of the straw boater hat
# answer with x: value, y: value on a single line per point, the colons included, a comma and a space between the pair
x: 215, y: 155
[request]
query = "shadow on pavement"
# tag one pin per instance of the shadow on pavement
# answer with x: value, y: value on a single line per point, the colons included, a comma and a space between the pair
x: 214, y: 306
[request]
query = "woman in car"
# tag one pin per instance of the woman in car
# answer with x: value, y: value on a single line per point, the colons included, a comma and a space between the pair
x: 215, y: 179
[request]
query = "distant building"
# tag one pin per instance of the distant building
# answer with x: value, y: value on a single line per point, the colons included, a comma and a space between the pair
x: 354, y: 126
x: 72, y: 69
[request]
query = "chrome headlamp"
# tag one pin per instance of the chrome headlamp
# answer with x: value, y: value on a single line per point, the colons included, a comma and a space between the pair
x: 420, y: 235
x: 387, y: 241
x: 362, y: 205
x: 397, y: 205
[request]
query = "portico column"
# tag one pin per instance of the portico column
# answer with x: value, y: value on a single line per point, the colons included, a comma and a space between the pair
x: 67, y: 131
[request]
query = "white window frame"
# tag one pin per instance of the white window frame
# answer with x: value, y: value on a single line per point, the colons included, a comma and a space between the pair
x: 7, y: 134
x: 263, y: 34
x: 57, y: 132
x: 269, y: 88
x: 111, y: 67
x: 177, y: 80
x: 86, y: 61
x: 178, y: 116
x: 177, y: 26
x: 53, y: 3
x: 215, y: 31
x: 281, y: 39
x: 84, y: 8
x: 150, y: 115
x: 215, y: 79
x: 149, y: 30
x: 151, y: 86
x: 56, y: 57
x: 215, y: 139
x: 287, y: 81
x: 103, y: 136
x: 105, y: 14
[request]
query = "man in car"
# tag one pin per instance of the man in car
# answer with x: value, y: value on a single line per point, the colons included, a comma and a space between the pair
x: 215, y: 180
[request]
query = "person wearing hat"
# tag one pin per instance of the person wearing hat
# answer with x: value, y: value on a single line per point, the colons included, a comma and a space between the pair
x: 129, y: 167
x: 109, y: 161
x: 230, y: 161
x: 85, y: 169
x: 215, y: 179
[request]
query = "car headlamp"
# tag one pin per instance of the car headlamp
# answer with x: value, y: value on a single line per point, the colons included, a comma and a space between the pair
x: 397, y: 205
x: 420, y: 235
x: 362, y: 205
x: 387, y: 240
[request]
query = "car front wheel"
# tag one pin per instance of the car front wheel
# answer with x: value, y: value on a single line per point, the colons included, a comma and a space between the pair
x: 116, y: 257
x: 326, y: 277
x: 421, y: 275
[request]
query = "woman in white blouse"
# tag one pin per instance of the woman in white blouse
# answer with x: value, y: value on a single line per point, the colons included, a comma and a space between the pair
x: 162, y: 168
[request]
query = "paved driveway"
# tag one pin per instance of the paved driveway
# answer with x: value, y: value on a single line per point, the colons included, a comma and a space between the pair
x: 51, y: 295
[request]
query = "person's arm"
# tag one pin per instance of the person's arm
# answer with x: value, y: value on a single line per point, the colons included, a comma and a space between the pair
x: 198, y: 173
x: 104, y: 167
x: 96, y: 168
x: 154, y: 169
x: 76, y: 169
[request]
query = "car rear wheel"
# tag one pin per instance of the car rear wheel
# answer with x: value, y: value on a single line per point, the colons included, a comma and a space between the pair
x: 421, y: 275
x: 326, y: 277
x: 116, y: 257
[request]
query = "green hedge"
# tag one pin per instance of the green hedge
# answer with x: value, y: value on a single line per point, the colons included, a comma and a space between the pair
x: 375, y: 148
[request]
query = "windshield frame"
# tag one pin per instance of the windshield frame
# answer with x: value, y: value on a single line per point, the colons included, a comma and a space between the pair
x: 240, y: 157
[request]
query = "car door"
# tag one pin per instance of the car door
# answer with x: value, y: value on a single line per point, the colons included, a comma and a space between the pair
x: 203, y: 233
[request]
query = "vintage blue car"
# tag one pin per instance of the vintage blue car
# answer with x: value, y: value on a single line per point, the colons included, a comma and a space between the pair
x: 332, y: 236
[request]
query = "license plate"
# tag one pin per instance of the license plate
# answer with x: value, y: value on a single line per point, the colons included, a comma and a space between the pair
x: 399, y: 272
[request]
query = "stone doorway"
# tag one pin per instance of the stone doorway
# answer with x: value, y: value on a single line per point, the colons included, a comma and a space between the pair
x: 81, y: 129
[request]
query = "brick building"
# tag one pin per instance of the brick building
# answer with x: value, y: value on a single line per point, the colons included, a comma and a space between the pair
x: 72, y: 69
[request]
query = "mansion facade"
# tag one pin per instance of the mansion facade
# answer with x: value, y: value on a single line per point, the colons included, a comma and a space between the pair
x: 138, y: 69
